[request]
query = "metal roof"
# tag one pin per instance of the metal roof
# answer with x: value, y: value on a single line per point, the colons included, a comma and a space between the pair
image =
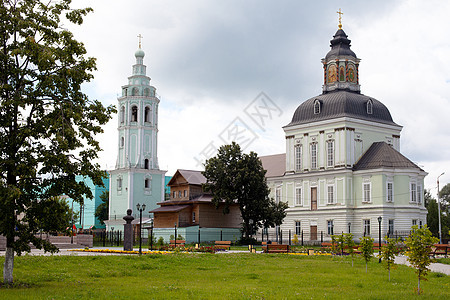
x: 338, y: 104
x: 340, y: 46
x: 191, y: 176
x: 274, y: 164
x: 381, y: 155
x: 170, y: 208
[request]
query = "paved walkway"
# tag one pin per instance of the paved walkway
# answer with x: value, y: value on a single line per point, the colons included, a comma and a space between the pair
x: 434, y: 267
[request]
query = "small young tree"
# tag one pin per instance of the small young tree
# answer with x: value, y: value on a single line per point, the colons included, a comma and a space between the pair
x: 388, y: 253
x: 366, y: 248
x: 419, y: 244
x: 349, y: 243
x: 295, y: 239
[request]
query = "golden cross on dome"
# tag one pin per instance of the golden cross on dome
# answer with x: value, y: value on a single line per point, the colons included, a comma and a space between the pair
x: 340, y: 15
x: 140, y: 37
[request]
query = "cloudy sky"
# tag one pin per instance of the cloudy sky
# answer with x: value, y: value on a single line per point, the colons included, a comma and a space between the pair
x: 210, y: 61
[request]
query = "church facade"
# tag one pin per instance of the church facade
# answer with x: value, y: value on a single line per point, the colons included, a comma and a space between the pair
x: 136, y: 178
x: 343, y: 169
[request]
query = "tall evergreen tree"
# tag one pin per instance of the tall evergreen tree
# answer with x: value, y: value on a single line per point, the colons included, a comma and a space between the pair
x: 47, y: 125
x: 236, y: 177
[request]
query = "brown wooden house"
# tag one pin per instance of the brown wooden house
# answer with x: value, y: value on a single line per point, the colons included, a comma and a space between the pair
x: 190, y: 206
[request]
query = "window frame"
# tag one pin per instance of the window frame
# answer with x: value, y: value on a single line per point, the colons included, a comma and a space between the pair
x: 413, y: 192
x: 366, y: 227
x: 298, y: 196
x: 298, y: 227
x: 330, y: 227
x: 367, y: 194
x: 134, y: 113
x: 278, y: 194
x: 298, y: 157
x: 313, y: 156
x: 330, y: 155
x: 330, y: 200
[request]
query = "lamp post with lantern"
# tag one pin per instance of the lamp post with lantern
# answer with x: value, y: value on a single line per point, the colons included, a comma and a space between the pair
x: 140, y: 209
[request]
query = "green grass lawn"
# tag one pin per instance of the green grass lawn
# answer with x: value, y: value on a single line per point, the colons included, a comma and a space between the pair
x: 214, y: 276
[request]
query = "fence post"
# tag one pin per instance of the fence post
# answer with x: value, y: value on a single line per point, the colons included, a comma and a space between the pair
x: 104, y: 237
x: 220, y: 234
x: 262, y: 235
x: 302, y: 237
x: 321, y: 236
x: 175, y: 235
x: 199, y: 235
x: 281, y: 236
x: 289, y: 237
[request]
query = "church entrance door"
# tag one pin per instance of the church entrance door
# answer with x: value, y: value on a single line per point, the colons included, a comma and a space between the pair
x: 314, y: 198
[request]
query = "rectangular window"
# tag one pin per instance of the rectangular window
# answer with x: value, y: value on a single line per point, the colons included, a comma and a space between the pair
x: 298, y: 196
x: 413, y: 192
x: 330, y: 153
x: 174, y: 194
x: 179, y: 194
x: 366, y: 227
x: 147, y: 183
x: 119, y: 184
x: 330, y: 227
x: 366, y: 196
x: 391, y: 226
x: 298, y: 229
x: 330, y: 194
x: 278, y: 194
x: 298, y: 158
x: 193, y: 217
x: 414, y: 222
x: 313, y: 156
x: 390, y: 192
x: 185, y: 193
x: 419, y: 194
x: 420, y: 224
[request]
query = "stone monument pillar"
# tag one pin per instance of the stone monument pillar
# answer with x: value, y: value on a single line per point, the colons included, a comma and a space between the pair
x: 128, y: 232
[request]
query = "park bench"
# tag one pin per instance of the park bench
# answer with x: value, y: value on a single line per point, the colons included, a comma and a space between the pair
x: 326, y: 246
x: 179, y: 243
x: 222, y: 245
x: 439, y: 249
x: 274, y: 248
x: 264, y: 246
x: 376, y: 246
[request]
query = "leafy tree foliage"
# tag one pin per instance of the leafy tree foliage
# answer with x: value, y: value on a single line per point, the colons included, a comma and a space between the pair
x: 234, y: 177
x: 101, y: 212
x: 444, y: 195
x: 432, y: 208
x: 419, y: 244
x: 349, y: 243
x: 388, y: 253
x: 47, y: 125
x: 366, y: 248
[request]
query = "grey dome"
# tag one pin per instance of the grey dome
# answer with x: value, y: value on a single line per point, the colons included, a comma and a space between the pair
x: 341, y: 104
x: 340, y: 46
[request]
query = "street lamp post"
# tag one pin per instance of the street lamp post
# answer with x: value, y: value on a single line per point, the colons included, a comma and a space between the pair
x: 140, y: 209
x: 439, y: 209
x: 151, y: 235
x: 379, y: 239
x: 349, y: 226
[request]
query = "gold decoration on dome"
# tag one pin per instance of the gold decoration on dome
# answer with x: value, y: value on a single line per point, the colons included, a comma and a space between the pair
x: 340, y: 15
x: 140, y: 37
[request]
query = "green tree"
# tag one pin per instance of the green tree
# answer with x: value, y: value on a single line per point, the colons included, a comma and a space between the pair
x: 419, y: 244
x: 101, y: 212
x: 388, y: 253
x: 444, y: 195
x: 47, y: 125
x: 366, y: 248
x: 350, y: 243
x: 234, y: 177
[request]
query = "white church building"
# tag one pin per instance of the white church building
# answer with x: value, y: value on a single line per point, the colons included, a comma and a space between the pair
x: 343, y: 169
x: 136, y: 178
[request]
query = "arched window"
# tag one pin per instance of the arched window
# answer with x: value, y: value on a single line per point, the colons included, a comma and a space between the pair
x: 122, y: 114
x: 122, y: 142
x: 135, y: 92
x: 316, y: 107
x: 125, y: 92
x: 147, y: 114
x: 146, y: 164
x: 134, y: 113
x: 147, y: 183
x: 369, y: 107
x: 147, y: 92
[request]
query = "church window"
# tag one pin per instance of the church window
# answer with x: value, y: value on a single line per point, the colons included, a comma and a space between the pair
x: 330, y: 194
x: 119, y: 183
x: 314, y: 156
x: 316, y: 107
x: 278, y: 195
x: 125, y: 92
x: 134, y: 113
x: 413, y: 189
x: 147, y: 114
x: 298, y: 196
x: 122, y: 114
x: 369, y: 107
x: 147, y: 183
x: 135, y: 92
x: 390, y: 192
x: 330, y: 153
x: 122, y: 142
x: 298, y: 158
x: 367, y: 227
x: 147, y: 92
x: 366, y: 192
x: 330, y: 227
x: 146, y: 164
x: 298, y: 228
x: 419, y: 194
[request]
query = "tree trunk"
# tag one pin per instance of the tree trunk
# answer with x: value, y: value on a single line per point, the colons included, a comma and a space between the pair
x: 389, y: 274
x: 418, y: 287
x: 366, y: 267
x: 8, y: 266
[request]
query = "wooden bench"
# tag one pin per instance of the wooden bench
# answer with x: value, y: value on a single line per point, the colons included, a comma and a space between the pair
x: 264, y: 246
x: 179, y: 243
x: 275, y: 248
x: 439, y: 249
x: 222, y: 245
